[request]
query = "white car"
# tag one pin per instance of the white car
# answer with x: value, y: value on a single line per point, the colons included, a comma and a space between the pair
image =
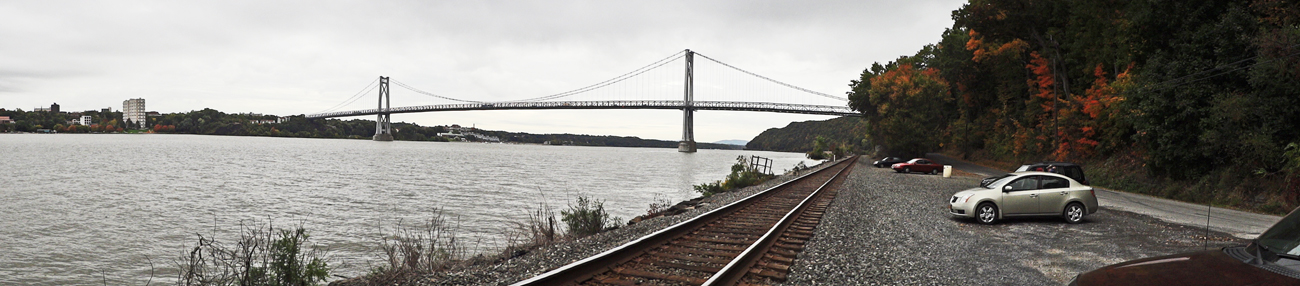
x: 1025, y: 194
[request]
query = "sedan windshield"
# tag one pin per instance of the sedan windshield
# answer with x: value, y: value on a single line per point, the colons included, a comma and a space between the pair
x: 1284, y: 237
x: 990, y: 181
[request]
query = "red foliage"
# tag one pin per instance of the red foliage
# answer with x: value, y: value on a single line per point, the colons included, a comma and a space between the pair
x: 159, y: 128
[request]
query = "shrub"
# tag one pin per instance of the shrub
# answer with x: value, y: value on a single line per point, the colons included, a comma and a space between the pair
x: 417, y: 250
x: 660, y: 204
x: 539, y: 229
x: 742, y: 175
x: 290, y: 265
x: 587, y: 217
x: 257, y: 258
x: 708, y: 189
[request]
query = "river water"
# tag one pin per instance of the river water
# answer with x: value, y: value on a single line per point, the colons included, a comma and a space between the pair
x: 100, y: 208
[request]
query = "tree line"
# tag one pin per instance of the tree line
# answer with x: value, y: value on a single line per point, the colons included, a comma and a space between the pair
x: 213, y: 122
x: 1189, y: 86
x: 33, y: 121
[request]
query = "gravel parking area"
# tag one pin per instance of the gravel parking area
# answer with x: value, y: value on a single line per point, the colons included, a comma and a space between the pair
x: 886, y: 228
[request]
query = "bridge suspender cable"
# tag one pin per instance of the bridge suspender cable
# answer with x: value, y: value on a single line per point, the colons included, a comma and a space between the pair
x: 773, y: 80
x: 403, y: 85
x: 605, y: 83
x: 614, y: 80
x: 354, y: 97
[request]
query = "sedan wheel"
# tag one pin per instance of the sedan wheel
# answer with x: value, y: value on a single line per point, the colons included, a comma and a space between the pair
x: 986, y: 213
x: 1073, y: 213
x: 934, y: 172
x: 907, y: 169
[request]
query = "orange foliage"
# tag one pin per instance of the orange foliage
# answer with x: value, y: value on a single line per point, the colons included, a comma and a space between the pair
x: 1043, y: 79
x: 984, y: 51
x: 1078, y: 130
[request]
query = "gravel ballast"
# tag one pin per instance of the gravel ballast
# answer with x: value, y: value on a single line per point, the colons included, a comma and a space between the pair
x: 887, y: 228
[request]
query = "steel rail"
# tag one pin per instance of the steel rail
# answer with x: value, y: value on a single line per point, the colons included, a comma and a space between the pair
x: 740, y: 266
x: 587, y: 268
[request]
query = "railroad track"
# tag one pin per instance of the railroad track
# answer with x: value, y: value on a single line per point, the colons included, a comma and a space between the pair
x: 751, y: 241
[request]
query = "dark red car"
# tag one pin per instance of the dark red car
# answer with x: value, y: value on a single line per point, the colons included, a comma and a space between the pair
x: 1271, y: 259
x: 922, y: 165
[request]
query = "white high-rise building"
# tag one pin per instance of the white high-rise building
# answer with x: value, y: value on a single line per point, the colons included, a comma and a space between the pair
x: 85, y: 120
x: 133, y: 111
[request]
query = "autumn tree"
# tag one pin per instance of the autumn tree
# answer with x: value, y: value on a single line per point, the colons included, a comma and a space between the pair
x: 903, y: 104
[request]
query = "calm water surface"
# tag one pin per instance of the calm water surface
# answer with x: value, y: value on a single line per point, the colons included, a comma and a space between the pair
x: 89, y: 208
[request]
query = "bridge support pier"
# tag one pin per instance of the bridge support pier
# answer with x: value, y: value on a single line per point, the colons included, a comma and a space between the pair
x: 384, y: 124
x: 688, y: 121
x: 686, y: 146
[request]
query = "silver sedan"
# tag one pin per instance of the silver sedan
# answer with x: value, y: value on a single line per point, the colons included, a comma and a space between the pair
x: 1025, y: 194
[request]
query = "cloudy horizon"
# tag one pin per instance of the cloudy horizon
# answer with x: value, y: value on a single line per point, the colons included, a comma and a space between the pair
x: 287, y: 58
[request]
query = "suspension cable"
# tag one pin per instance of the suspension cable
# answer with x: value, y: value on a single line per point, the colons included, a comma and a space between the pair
x: 773, y: 80
x: 354, y: 97
x: 605, y: 83
x: 611, y: 81
x: 403, y: 85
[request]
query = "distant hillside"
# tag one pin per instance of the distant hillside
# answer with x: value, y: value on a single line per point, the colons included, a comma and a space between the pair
x: 732, y: 142
x: 798, y: 136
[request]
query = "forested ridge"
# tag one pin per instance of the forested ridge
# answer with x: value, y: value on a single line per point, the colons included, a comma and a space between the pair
x: 799, y: 136
x: 1184, y: 99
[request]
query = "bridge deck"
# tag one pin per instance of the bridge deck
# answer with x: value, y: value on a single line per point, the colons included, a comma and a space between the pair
x: 614, y: 104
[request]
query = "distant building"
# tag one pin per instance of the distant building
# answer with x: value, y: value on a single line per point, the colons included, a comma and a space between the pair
x: 5, y: 119
x: 269, y: 121
x: 106, y: 110
x: 85, y: 120
x: 133, y: 111
x: 41, y: 109
x: 54, y: 108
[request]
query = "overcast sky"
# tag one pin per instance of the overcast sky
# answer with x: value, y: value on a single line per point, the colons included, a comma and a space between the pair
x: 302, y: 57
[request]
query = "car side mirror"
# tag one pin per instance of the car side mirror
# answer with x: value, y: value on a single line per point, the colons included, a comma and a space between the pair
x: 1006, y: 188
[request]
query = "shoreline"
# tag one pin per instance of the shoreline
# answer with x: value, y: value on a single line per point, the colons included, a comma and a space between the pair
x: 503, y: 269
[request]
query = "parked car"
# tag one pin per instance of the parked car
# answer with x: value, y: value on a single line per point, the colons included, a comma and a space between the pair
x: 918, y: 165
x: 1271, y: 259
x: 1072, y: 170
x: 888, y: 161
x: 1025, y: 194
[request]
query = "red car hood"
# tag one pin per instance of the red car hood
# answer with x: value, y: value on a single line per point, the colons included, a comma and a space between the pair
x: 1212, y: 267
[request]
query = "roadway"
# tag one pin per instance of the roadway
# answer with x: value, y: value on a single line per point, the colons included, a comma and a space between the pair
x: 1241, y: 224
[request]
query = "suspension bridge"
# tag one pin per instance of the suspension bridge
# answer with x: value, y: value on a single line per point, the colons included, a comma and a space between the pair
x: 761, y: 94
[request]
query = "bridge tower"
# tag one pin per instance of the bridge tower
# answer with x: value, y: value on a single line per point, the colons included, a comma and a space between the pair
x: 384, y: 125
x: 688, y: 122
